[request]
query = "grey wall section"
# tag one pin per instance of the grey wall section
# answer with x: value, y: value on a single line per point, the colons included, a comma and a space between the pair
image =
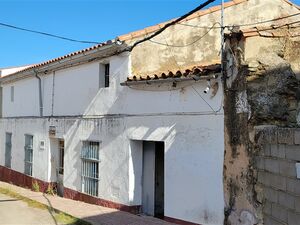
x: 276, y: 166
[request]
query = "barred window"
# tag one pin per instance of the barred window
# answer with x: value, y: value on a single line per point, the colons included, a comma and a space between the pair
x: 90, y: 167
x: 61, y: 156
x: 28, y: 154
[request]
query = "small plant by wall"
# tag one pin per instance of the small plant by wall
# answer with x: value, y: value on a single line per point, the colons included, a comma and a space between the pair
x: 35, y: 186
x: 51, y: 190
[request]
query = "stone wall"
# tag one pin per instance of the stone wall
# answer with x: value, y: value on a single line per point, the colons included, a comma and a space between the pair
x: 261, y: 89
x: 279, y: 151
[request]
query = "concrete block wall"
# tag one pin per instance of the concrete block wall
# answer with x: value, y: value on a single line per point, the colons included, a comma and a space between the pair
x: 276, y: 174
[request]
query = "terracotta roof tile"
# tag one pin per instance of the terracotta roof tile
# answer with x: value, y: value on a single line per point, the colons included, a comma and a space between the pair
x: 272, y: 31
x: 199, y: 70
x: 152, y: 29
x: 215, y: 8
x: 228, y: 4
x: 251, y: 34
x: 203, y: 12
x: 190, y: 17
x: 238, y: 1
x: 200, y: 13
x: 63, y: 57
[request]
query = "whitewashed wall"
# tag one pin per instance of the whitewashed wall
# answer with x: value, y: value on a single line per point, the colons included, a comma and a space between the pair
x: 26, y: 98
x: 74, y: 89
x: 193, y: 158
x: 38, y: 129
x: 192, y: 133
x: 193, y: 164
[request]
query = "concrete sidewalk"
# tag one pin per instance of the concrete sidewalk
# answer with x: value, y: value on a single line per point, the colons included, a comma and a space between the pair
x: 94, y: 214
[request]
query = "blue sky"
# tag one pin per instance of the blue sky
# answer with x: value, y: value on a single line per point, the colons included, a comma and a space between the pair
x: 93, y: 20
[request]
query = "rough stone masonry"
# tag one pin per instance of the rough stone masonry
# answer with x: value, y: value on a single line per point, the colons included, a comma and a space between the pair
x: 261, y: 88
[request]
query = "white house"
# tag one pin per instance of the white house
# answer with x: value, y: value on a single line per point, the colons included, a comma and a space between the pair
x: 127, y: 147
x: 107, y: 130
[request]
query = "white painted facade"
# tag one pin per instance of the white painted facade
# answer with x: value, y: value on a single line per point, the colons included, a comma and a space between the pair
x: 120, y: 118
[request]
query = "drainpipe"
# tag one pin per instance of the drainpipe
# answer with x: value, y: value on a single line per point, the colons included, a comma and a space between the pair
x: 40, y: 93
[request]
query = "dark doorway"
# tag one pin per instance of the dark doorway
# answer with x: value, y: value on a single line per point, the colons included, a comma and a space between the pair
x: 153, y: 179
x: 159, y: 179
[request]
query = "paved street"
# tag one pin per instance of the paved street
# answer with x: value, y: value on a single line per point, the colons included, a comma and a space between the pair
x: 14, y: 211
x: 94, y: 214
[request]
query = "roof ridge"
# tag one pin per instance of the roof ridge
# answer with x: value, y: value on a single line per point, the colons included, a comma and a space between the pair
x: 156, y: 27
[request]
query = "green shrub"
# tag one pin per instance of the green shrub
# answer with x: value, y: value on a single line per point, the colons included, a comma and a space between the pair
x: 35, y: 186
x: 50, y: 190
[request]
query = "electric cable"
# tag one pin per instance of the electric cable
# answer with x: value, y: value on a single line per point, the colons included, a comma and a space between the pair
x: 48, y: 34
x: 169, y: 24
x: 241, y: 25
x: 210, y: 28
x: 276, y: 27
x: 186, y: 45
x: 156, y: 33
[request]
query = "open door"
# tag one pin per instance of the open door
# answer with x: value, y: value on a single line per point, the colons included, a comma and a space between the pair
x: 57, y: 148
x: 159, y: 179
x: 60, y: 176
x: 153, y: 179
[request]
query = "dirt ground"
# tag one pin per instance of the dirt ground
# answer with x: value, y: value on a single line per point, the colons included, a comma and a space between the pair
x: 16, y: 212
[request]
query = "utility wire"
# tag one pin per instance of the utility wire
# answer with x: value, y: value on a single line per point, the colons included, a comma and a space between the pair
x: 153, y: 35
x: 267, y: 21
x: 47, y: 34
x: 205, y: 27
x: 241, y: 25
x: 212, y: 27
x: 169, y: 24
x: 276, y: 27
x: 215, y: 111
x: 186, y: 45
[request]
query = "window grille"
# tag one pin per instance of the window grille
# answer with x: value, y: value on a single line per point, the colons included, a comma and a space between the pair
x: 106, y: 75
x: 8, y: 150
x: 61, y: 157
x: 28, y: 154
x: 90, y: 167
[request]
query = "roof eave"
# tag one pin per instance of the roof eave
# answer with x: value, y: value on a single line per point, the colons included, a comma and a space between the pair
x: 213, y: 75
x: 81, y: 58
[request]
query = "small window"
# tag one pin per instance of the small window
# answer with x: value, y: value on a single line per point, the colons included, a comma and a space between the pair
x: 90, y: 167
x: 12, y: 93
x: 106, y: 75
x: 8, y: 150
x: 61, y: 157
x: 28, y: 154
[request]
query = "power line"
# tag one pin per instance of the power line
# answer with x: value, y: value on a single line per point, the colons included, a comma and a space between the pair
x: 276, y: 27
x: 186, y: 45
x: 169, y: 24
x: 47, y: 34
x: 156, y: 33
x: 241, y: 25
x: 205, y: 27
x: 267, y: 21
x: 212, y: 27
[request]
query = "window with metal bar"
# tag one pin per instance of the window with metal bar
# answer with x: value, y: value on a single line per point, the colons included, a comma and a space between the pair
x: 8, y: 149
x: 61, y: 157
x: 28, y: 154
x: 106, y: 74
x: 90, y: 167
